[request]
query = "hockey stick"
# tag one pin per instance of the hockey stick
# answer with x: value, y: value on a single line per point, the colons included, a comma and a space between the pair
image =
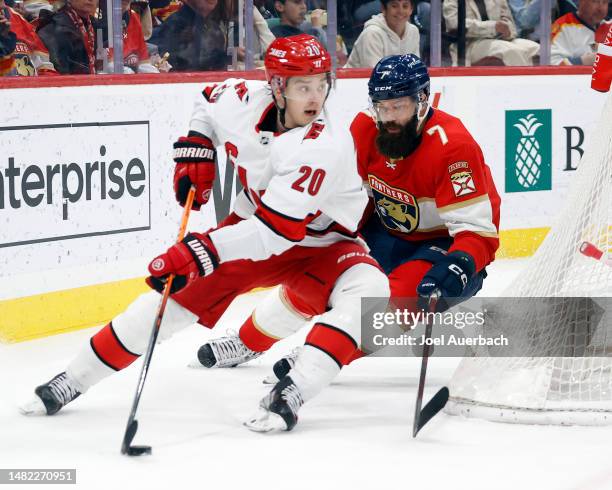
x: 421, y: 417
x: 132, y: 424
x: 592, y: 251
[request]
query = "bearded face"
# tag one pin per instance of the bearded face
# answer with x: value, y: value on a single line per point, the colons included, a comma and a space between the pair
x: 396, y: 140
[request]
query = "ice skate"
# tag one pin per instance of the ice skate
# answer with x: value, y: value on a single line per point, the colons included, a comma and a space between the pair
x: 278, y: 410
x: 224, y: 352
x: 282, y: 367
x: 51, y: 397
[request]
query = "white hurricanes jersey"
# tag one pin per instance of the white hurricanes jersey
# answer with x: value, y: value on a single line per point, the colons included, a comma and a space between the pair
x: 300, y: 187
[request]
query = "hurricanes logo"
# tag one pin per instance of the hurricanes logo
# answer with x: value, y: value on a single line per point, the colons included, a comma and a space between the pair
x: 398, y: 210
x: 158, y: 264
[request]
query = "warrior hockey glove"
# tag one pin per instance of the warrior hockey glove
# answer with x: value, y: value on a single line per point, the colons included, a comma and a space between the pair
x: 195, y: 164
x: 195, y: 256
x: 450, y: 276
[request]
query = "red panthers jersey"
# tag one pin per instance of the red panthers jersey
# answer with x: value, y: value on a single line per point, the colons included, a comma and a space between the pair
x: 31, y: 56
x: 444, y: 188
x: 134, y: 46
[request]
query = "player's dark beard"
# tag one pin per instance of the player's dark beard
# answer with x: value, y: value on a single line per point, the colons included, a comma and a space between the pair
x: 398, y: 145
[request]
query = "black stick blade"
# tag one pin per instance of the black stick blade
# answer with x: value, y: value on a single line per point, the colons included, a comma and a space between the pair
x: 430, y: 410
x: 128, y: 437
x: 138, y: 450
x: 127, y: 448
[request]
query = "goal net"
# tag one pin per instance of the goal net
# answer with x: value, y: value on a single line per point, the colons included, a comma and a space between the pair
x: 574, y: 386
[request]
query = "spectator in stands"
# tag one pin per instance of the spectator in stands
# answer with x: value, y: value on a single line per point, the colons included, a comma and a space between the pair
x: 8, y: 41
x: 573, y: 35
x: 263, y: 34
x: 32, y: 8
x: 70, y: 38
x: 526, y: 15
x: 135, y: 52
x: 385, y: 34
x: 263, y: 38
x: 566, y: 6
x: 195, y: 36
x: 141, y: 7
x: 292, y: 15
x: 491, y: 34
x: 30, y: 56
x: 262, y: 7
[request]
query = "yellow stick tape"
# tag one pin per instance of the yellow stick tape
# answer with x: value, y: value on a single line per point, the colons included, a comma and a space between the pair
x: 37, y: 316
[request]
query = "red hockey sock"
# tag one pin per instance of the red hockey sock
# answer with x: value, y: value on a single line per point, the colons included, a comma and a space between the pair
x: 333, y: 341
x: 109, y: 349
x: 254, y: 338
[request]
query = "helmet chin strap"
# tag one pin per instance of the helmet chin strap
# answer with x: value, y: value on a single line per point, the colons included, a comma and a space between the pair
x: 281, y: 113
x: 281, y: 84
x: 422, y: 108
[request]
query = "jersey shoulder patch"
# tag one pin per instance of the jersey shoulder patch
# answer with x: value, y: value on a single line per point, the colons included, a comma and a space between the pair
x: 316, y: 128
x: 213, y: 92
x: 460, y: 175
x: 242, y: 91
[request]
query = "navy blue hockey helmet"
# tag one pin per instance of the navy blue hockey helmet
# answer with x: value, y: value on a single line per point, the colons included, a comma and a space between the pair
x: 398, y: 76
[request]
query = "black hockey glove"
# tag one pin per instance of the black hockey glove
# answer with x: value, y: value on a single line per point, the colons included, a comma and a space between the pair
x: 450, y: 276
x: 195, y: 165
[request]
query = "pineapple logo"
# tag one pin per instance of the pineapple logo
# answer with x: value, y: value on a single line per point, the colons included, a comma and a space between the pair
x: 528, y: 150
x: 527, y: 158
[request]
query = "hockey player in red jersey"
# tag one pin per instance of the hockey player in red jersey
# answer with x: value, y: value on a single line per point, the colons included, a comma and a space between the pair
x: 294, y: 224
x: 434, y: 210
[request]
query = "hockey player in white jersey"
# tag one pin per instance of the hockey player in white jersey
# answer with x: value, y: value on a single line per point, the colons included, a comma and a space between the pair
x: 293, y: 225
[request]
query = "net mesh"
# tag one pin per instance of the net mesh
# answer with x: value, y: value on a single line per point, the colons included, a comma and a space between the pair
x: 558, y: 389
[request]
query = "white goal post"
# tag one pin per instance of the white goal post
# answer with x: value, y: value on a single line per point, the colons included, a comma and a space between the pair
x: 557, y: 390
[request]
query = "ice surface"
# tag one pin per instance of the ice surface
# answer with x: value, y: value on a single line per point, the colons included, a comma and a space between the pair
x: 354, y: 435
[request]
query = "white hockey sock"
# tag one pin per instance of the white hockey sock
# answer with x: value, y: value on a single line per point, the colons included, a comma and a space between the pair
x: 86, y: 369
x: 130, y: 331
x: 313, y: 371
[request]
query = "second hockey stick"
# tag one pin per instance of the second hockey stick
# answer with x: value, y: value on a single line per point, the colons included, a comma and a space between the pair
x: 132, y: 424
x: 421, y: 417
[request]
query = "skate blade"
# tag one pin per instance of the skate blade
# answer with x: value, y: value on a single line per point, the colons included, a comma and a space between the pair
x: 195, y: 364
x: 33, y: 408
x: 264, y: 421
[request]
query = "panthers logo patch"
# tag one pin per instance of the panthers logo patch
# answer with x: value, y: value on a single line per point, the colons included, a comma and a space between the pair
x: 398, y: 210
